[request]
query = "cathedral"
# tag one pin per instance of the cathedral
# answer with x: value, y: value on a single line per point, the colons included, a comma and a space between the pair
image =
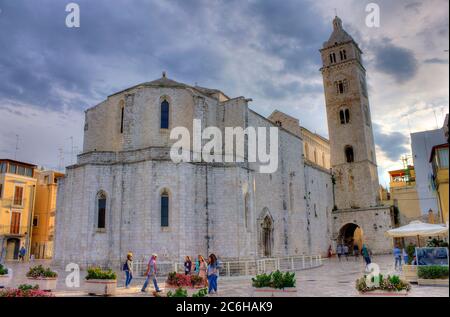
x: 126, y: 194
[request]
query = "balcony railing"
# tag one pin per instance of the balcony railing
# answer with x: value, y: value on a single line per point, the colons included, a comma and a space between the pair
x: 13, y: 230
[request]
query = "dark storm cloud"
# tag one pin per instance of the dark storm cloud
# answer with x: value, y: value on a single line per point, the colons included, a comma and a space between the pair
x: 121, y: 43
x: 392, y: 144
x: 398, y: 62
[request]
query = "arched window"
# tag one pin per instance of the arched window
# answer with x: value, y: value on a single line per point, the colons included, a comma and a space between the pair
x: 344, y: 116
x: 164, y: 209
x: 278, y: 123
x: 332, y: 58
x: 349, y: 154
x: 323, y: 159
x: 343, y: 55
x: 122, y: 113
x: 101, y: 210
x: 246, y: 210
x: 306, y: 151
x: 164, y: 114
x: 315, y: 156
x: 341, y: 86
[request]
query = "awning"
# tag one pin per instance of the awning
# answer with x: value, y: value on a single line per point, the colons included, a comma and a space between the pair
x: 417, y: 228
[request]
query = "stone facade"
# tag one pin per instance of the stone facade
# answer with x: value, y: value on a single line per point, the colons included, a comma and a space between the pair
x: 352, y: 147
x: 113, y: 200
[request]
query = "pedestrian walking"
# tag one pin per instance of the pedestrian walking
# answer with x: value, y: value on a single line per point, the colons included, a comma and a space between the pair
x: 397, y: 258
x: 339, y: 251
x: 405, y: 256
x: 151, y: 274
x: 212, y: 274
x: 346, y: 252
x: 356, y: 251
x: 128, y: 269
x: 366, y: 255
x: 22, y: 253
x: 187, y: 265
x: 202, y: 267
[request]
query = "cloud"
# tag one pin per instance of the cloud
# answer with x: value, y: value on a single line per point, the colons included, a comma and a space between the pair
x: 436, y: 61
x: 392, y: 144
x: 398, y: 62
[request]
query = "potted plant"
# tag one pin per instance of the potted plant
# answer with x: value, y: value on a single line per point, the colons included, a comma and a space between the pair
x: 101, y: 282
x: 275, y: 284
x: 24, y: 290
x: 4, y: 276
x: 45, y: 278
x: 389, y: 286
x: 433, y: 275
x: 409, y: 271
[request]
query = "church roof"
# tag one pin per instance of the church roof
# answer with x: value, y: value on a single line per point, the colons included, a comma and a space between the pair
x: 169, y: 83
x: 339, y: 35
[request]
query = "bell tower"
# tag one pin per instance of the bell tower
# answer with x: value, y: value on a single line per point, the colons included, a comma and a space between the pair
x: 352, y: 145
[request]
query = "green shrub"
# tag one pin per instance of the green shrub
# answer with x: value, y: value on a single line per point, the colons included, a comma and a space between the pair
x: 39, y: 272
x: 3, y: 270
x: 96, y: 273
x: 275, y: 280
x: 179, y: 292
x: 433, y: 272
x: 411, y: 251
x: 201, y: 293
x: 27, y: 287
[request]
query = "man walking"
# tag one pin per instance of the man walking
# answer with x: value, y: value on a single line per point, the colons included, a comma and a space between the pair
x: 151, y: 274
x: 366, y: 255
x: 356, y: 251
x: 345, y: 248
x: 22, y: 253
x: 398, y: 258
x: 339, y: 251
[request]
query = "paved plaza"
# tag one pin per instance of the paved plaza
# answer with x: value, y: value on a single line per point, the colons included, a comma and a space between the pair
x: 333, y: 278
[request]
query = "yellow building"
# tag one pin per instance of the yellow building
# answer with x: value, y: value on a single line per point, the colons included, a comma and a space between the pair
x: 403, y: 195
x: 17, y: 197
x: 439, y: 161
x: 44, y: 214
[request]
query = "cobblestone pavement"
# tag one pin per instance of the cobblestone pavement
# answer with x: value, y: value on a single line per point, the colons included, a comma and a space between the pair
x: 334, y: 278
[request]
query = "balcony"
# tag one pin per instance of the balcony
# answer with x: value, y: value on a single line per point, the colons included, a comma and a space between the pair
x: 13, y: 231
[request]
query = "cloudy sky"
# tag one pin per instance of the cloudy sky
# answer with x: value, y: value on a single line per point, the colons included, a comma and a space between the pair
x: 264, y: 50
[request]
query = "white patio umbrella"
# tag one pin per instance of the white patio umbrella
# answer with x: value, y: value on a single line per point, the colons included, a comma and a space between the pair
x: 417, y: 229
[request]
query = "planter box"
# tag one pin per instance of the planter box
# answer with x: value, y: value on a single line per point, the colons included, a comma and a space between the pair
x: 384, y: 293
x: 44, y: 283
x: 5, y: 280
x: 432, y: 282
x: 274, y: 292
x: 190, y: 290
x: 409, y: 273
x: 101, y: 287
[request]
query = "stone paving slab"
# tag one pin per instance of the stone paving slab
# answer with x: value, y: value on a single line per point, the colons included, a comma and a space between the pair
x: 333, y: 279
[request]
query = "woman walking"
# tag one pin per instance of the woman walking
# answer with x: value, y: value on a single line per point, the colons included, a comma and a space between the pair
x: 128, y: 268
x: 212, y: 274
x: 187, y: 265
x: 202, y: 267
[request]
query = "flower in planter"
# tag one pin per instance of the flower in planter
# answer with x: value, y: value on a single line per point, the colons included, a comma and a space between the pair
x: 390, y: 284
x: 40, y: 272
x: 179, y: 292
x: 24, y: 290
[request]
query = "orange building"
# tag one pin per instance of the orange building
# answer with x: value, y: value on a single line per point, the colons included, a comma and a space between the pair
x: 44, y: 214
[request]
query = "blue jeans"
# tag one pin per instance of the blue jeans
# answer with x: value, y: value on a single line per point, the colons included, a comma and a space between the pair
x: 155, y: 282
x: 398, y: 262
x: 212, y: 283
x: 128, y: 278
x: 367, y: 259
x: 405, y: 259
